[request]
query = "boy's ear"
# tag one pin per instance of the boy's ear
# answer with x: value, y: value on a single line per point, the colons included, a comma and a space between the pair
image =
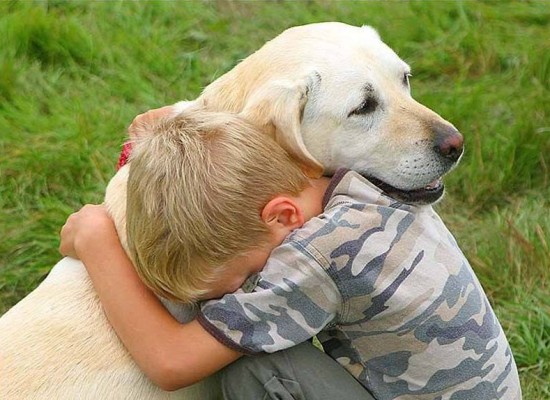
x: 283, y: 213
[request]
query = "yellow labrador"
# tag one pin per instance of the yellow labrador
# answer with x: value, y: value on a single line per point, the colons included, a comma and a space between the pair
x: 332, y: 95
x: 335, y: 95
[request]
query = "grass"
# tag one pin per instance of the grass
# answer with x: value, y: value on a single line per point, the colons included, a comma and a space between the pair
x: 74, y: 74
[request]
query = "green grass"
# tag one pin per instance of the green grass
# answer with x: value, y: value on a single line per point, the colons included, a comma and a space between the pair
x: 74, y: 74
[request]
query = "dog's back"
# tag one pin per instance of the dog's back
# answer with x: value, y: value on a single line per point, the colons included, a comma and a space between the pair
x: 56, y: 343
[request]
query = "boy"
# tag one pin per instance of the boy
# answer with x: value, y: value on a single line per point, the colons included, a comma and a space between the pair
x: 381, y: 283
x: 167, y: 218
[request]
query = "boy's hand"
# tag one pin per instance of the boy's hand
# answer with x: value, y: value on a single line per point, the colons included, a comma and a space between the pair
x: 137, y: 126
x: 87, y: 232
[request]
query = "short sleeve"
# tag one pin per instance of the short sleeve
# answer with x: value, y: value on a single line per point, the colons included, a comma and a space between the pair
x: 293, y: 301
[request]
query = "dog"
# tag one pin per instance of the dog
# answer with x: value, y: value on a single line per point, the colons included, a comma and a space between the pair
x: 332, y: 95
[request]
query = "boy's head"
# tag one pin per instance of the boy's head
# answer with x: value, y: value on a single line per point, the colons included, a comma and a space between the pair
x: 197, y: 186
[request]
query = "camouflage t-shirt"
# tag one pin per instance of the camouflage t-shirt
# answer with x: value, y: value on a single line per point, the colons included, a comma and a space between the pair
x: 389, y: 294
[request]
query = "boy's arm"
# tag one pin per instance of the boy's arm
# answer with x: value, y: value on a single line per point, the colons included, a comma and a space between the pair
x: 294, y: 299
x: 171, y: 354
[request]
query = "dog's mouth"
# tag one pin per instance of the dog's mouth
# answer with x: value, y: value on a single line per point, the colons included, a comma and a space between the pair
x: 426, y: 195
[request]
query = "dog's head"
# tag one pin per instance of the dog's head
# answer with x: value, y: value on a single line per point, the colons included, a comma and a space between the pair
x: 335, y: 95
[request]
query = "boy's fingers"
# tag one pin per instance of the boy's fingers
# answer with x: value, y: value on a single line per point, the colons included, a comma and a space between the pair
x: 64, y: 234
x: 88, y: 215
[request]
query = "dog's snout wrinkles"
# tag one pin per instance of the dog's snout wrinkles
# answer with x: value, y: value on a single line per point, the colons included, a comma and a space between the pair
x: 448, y: 142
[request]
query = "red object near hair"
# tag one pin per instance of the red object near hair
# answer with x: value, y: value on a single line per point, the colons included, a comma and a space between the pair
x: 124, y: 155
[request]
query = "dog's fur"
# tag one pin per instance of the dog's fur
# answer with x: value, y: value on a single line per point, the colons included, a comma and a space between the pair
x: 332, y: 95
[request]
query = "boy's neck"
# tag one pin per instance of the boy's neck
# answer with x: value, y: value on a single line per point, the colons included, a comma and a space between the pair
x: 311, y: 198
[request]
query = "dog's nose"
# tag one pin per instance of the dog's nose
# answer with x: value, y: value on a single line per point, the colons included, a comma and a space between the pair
x: 448, y: 142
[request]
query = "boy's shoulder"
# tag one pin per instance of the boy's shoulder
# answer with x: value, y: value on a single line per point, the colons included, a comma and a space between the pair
x: 354, y: 209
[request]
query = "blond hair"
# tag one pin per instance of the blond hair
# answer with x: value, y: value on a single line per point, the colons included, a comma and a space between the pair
x: 197, y: 185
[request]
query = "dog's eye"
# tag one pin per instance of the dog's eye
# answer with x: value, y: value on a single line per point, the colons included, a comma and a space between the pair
x: 368, y: 106
x: 406, y: 77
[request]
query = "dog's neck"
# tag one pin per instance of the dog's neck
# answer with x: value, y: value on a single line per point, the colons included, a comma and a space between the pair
x: 115, y: 201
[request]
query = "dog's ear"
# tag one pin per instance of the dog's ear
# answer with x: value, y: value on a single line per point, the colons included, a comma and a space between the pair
x: 277, y: 107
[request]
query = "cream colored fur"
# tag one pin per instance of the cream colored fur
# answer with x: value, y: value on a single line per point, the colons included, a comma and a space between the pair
x: 301, y: 87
